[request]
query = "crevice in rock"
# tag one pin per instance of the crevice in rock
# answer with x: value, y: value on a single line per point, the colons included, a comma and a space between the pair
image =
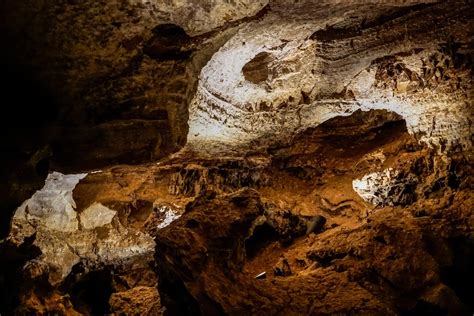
x: 425, y: 308
x: 175, y: 297
x: 89, y: 291
x: 169, y: 42
x: 12, y: 280
x: 257, y: 70
x: 261, y: 237
x: 459, y: 275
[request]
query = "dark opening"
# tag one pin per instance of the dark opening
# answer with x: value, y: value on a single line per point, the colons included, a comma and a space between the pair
x: 262, y: 236
x: 424, y: 308
x: 12, y: 260
x: 42, y: 167
x: 460, y: 275
x: 91, y: 294
x: 175, y: 296
x: 170, y: 42
x: 257, y: 70
x: 29, y: 108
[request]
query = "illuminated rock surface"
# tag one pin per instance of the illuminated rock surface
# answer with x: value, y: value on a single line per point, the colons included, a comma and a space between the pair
x: 324, y: 145
x: 320, y: 66
x: 50, y: 218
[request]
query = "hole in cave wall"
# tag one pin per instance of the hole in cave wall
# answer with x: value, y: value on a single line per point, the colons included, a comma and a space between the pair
x: 361, y: 132
x: 169, y: 42
x: 344, y: 137
x: 12, y: 260
x: 89, y: 292
x: 174, y: 295
x: 262, y: 236
x: 257, y: 70
x: 424, y: 308
x: 371, y: 118
x: 460, y: 276
x: 178, y: 301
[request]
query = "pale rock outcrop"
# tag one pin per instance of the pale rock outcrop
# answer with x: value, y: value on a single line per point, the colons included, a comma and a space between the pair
x: 383, y: 188
x: 166, y: 213
x: 50, y: 218
x: 96, y: 215
x: 317, y: 67
x: 53, y: 206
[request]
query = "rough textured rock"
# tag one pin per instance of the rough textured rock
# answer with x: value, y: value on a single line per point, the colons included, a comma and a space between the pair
x: 412, y: 257
x: 137, y: 301
x: 49, y: 219
x: 360, y: 270
x: 368, y: 259
x: 326, y: 168
x: 314, y: 64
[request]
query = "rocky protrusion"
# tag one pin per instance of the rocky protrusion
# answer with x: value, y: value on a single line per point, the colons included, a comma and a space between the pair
x: 257, y: 70
x: 193, y: 179
x: 389, y: 187
x: 315, y: 224
x: 51, y: 223
x: 140, y: 300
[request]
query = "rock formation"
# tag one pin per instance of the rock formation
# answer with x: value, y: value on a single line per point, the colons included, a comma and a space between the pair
x: 307, y: 68
x: 270, y: 157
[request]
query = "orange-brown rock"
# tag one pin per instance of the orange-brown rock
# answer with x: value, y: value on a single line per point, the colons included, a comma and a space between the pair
x: 140, y: 300
x: 214, y: 157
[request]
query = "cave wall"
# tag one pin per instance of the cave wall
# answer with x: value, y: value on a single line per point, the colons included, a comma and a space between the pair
x: 102, y: 65
x: 414, y: 59
x: 324, y: 143
x: 96, y: 83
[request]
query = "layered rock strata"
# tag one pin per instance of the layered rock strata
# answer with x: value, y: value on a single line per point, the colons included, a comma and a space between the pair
x: 300, y: 66
x: 327, y: 168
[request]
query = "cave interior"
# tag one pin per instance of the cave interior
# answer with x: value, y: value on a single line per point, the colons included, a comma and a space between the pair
x: 246, y: 157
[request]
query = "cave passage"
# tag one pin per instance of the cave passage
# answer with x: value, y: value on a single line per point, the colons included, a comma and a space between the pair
x: 245, y: 157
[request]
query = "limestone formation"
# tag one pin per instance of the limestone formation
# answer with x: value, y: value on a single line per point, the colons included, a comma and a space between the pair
x: 214, y: 157
x: 317, y: 67
x: 384, y: 188
x: 166, y: 213
x: 50, y: 219
x: 53, y: 206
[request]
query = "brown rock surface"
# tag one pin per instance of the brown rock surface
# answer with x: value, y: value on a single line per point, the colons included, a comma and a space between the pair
x: 237, y: 158
x: 367, y: 260
x: 140, y: 300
